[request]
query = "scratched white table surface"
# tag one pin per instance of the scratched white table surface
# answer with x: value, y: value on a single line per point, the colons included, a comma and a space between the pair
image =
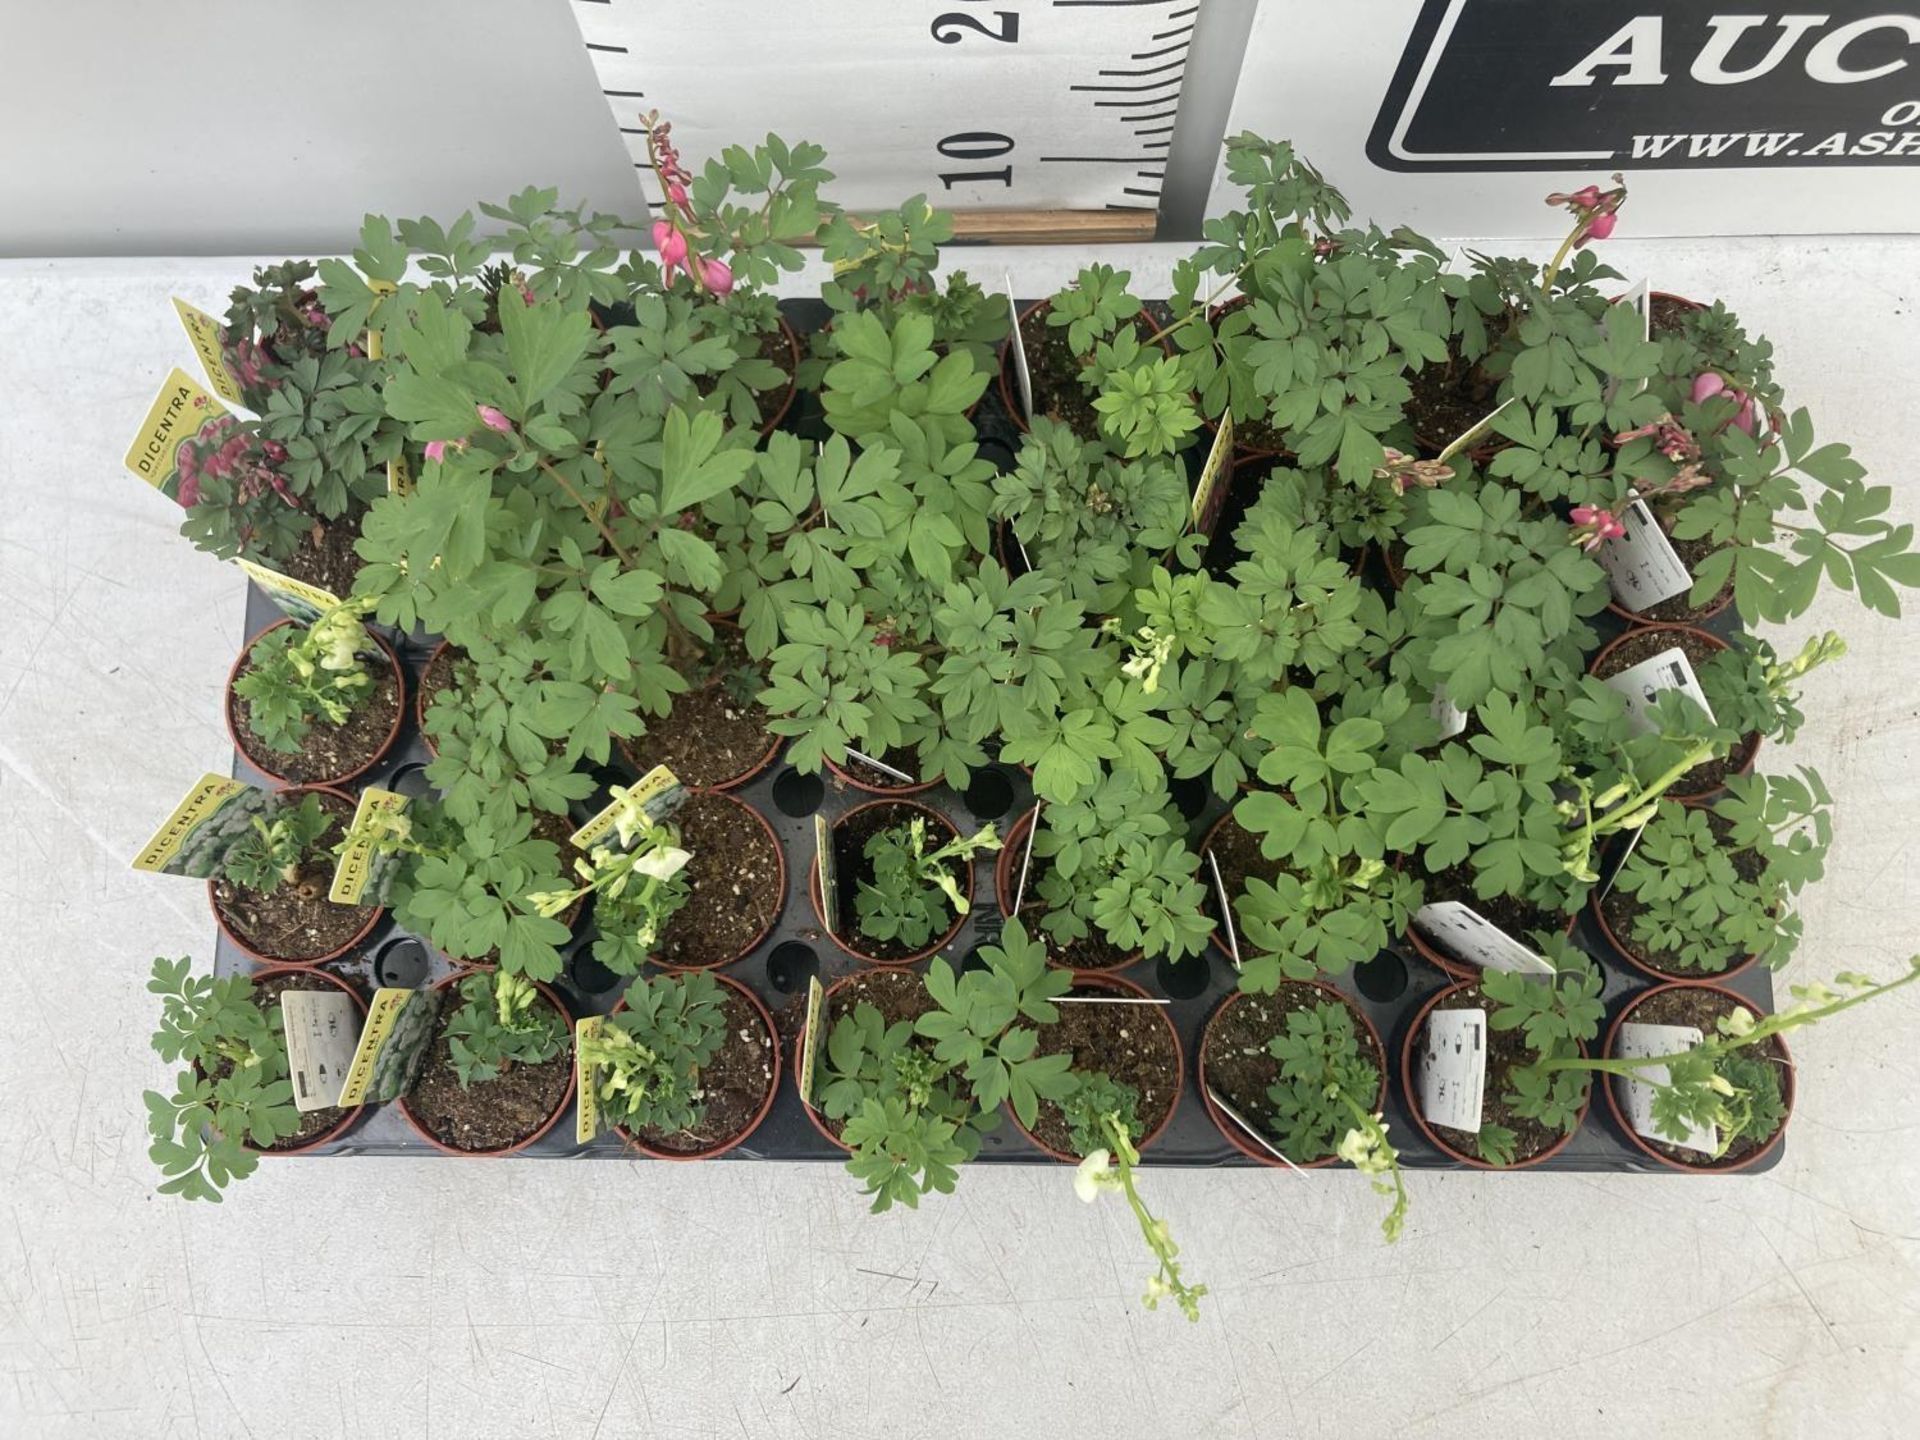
x: 520, y: 1299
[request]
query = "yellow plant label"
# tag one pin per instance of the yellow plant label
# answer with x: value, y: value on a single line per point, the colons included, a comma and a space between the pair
x: 204, y: 331
x: 399, y: 476
x: 586, y: 1119
x: 305, y: 603
x: 194, y: 839
x: 656, y: 795
x: 393, y: 1045
x: 362, y: 865
x: 825, y: 873
x: 810, y: 1039
x: 1210, y: 491
x: 182, y: 411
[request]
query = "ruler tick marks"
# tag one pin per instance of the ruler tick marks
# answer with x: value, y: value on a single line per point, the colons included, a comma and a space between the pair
x: 626, y: 94
x: 1130, y: 89
x: 1134, y: 119
x: 1150, y: 70
x: 1093, y: 159
x: 610, y: 49
x: 1156, y: 54
x: 1157, y: 130
x: 1177, y: 30
x: 1130, y: 190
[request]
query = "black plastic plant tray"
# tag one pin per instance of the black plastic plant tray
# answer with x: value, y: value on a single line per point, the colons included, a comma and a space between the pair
x: 1390, y: 989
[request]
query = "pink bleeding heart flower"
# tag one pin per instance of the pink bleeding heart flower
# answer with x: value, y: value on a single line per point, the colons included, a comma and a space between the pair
x: 671, y: 244
x: 494, y: 420
x: 1586, y: 198
x: 1709, y: 383
x: 1600, y: 227
x: 436, y: 449
x: 718, y: 275
x: 677, y: 193
x: 1593, y: 526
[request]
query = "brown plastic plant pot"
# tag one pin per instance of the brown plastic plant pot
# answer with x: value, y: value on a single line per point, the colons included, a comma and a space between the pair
x: 1114, y: 984
x: 1410, y: 1088
x: 800, y: 1053
x: 730, y: 782
x: 421, y: 698
x: 813, y: 891
x: 759, y: 1115
x: 259, y: 761
x: 870, y: 787
x: 1235, y: 1135
x: 779, y: 891
x: 560, y: 1107
x: 767, y: 427
x: 1640, y: 622
x: 1612, y: 1084
x: 1242, y: 454
x: 1006, y: 878
x: 1457, y: 969
x: 1652, y: 971
x: 1008, y: 395
x: 352, y: 1116
x: 1640, y: 632
x: 281, y: 961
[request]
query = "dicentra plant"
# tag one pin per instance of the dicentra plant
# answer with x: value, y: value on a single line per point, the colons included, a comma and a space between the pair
x: 296, y: 676
x: 501, y: 1021
x: 911, y: 896
x: 235, y: 1092
x: 645, y: 1059
x: 281, y: 848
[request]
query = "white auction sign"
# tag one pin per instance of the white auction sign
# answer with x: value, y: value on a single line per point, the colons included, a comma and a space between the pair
x: 1008, y: 104
x: 1458, y: 116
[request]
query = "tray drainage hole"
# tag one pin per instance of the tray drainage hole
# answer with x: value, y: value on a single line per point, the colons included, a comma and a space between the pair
x: 796, y: 794
x: 402, y: 965
x: 411, y: 781
x: 791, y: 966
x: 1182, y: 979
x: 1382, y: 978
x: 590, y: 975
x: 991, y: 794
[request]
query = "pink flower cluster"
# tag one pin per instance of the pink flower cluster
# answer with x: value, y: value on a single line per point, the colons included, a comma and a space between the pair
x: 1671, y: 439
x: 674, y: 236
x: 221, y: 450
x: 1593, y: 527
x: 1597, y: 210
x: 1709, y: 383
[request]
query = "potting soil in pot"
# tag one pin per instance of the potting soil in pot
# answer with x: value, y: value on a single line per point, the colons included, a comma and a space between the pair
x: 493, y: 1114
x: 1131, y: 1043
x: 297, y: 922
x: 734, y: 884
x: 1507, y: 1050
x: 330, y: 751
x: 732, y: 1084
x: 717, y: 731
x: 1241, y: 1069
x: 850, y: 838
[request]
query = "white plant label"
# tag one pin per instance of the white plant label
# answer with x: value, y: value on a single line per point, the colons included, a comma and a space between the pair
x: 1448, y: 716
x: 1468, y: 936
x: 1247, y: 1125
x: 1226, y: 910
x: 827, y: 875
x: 881, y: 766
x: 1017, y: 347
x: 1026, y: 862
x: 1453, y: 1069
x: 1642, y: 565
x: 322, y: 1029
x: 1643, y: 684
x: 1638, y: 1041
x: 1064, y: 105
x: 1625, y: 855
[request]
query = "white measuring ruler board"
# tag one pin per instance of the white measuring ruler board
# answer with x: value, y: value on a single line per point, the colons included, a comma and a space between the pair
x: 977, y: 104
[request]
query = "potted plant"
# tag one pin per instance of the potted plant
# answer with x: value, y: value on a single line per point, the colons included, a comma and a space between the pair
x: 304, y: 706
x: 904, y: 880
x: 233, y: 1102
x: 1528, y: 1114
x: 685, y: 1067
x: 1303, y: 1065
x: 270, y: 895
x: 1110, y: 880
x: 1097, y: 367
x: 1706, y: 892
x: 499, y: 1069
